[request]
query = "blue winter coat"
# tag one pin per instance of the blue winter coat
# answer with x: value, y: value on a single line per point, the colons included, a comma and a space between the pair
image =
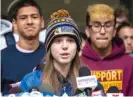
x: 34, y: 79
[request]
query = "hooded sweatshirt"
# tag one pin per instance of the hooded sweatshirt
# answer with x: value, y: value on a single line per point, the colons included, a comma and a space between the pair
x: 6, y: 27
x: 115, y: 69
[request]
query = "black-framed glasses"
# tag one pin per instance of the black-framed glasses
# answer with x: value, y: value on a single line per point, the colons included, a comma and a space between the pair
x: 98, y: 26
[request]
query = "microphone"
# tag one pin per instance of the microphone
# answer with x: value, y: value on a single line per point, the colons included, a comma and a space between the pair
x: 86, y: 82
x: 11, y: 95
x: 34, y: 92
x: 34, y: 88
x: 64, y: 95
x: 25, y: 94
x: 98, y: 91
x: 113, y: 91
x: 78, y: 92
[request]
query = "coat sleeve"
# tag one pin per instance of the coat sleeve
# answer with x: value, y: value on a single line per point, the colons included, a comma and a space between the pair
x: 30, y: 80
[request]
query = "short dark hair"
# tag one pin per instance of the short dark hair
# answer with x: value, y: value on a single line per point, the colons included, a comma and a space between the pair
x: 124, y: 24
x: 121, y: 11
x: 83, y: 35
x: 87, y: 19
x: 22, y: 3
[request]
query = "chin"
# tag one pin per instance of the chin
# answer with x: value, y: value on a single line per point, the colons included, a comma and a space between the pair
x: 65, y: 62
x: 102, y: 46
x: 31, y: 37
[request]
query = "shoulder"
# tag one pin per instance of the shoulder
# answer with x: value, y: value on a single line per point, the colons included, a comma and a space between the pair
x: 41, y: 48
x: 8, y: 49
x: 128, y: 57
x: 127, y: 60
x: 42, y: 45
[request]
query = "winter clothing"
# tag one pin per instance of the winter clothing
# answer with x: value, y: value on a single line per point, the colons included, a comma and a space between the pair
x: 6, y: 27
x: 16, y: 64
x: 62, y: 27
x: 114, y: 70
x: 34, y: 79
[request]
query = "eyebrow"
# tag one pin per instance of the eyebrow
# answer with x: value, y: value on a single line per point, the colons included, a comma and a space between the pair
x: 103, y: 23
x: 28, y: 15
x: 109, y: 22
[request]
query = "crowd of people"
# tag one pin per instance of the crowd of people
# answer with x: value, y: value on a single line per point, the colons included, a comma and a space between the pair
x: 32, y: 56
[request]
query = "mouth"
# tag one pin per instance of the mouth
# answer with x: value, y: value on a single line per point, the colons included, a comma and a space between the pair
x: 129, y: 47
x: 30, y: 28
x: 64, y: 55
x: 102, y: 38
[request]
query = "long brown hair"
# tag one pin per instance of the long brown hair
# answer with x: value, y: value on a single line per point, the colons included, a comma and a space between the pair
x: 50, y: 76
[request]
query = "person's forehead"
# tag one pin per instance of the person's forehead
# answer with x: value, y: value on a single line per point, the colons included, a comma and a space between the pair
x: 121, y: 19
x: 26, y: 10
x: 102, y: 21
x: 126, y: 28
x: 126, y: 31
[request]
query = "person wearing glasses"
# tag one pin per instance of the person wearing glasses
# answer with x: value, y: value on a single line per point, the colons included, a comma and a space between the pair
x: 104, y: 54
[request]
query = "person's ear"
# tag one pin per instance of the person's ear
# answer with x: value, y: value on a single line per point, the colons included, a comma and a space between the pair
x: 14, y: 24
x: 87, y: 32
x: 42, y: 23
x: 114, y: 33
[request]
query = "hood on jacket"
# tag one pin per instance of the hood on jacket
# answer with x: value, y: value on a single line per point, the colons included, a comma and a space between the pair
x: 117, y: 50
x: 6, y: 26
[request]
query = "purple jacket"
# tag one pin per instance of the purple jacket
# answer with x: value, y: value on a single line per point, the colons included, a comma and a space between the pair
x: 114, y: 70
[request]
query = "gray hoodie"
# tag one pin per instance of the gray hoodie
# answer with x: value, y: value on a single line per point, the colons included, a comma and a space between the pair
x: 6, y: 27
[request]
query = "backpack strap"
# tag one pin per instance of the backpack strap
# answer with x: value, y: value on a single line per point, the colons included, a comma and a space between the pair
x: 9, y: 38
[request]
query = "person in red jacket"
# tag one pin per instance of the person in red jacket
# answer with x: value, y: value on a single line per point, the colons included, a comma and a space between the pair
x: 104, y: 53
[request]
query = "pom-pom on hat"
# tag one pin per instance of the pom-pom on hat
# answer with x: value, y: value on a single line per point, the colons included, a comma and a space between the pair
x: 61, y: 25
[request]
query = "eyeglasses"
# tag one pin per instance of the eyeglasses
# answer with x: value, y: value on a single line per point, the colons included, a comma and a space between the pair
x: 98, y: 26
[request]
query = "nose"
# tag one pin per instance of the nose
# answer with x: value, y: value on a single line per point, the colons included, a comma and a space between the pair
x: 64, y: 45
x: 29, y: 20
x: 102, y: 30
x: 129, y: 41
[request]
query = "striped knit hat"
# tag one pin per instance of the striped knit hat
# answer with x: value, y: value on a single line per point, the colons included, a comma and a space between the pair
x: 62, y: 26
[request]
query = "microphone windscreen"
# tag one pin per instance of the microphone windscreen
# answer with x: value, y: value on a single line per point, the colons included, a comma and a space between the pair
x: 99, y: 90
x: 113, y: 89
x: 34, y: 88
x: 84, y: 71
x: 77, y: 92
x: 99, y: 86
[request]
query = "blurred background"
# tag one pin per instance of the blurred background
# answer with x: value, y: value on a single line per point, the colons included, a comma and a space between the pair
x: 77, y: 8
